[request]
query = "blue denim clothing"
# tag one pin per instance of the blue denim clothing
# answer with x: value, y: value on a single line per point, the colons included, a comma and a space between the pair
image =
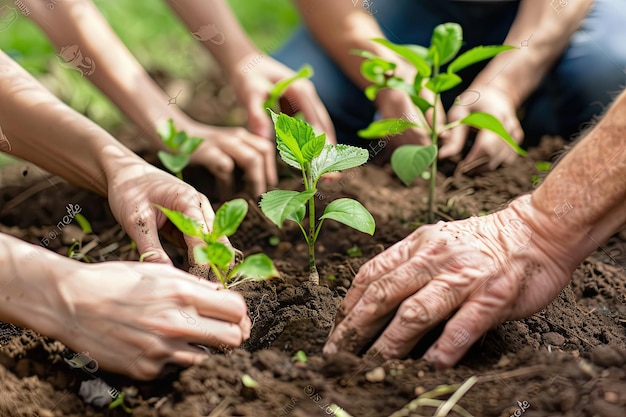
x: 586, y: 78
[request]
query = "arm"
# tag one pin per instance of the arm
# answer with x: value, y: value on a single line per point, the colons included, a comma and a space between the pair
x: 509, y: 79
x: 215, y: 26
x: 482, y: 271
x: 118, y: 74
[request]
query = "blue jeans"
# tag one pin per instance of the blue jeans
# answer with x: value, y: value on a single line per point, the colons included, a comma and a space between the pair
x: 581, y: 84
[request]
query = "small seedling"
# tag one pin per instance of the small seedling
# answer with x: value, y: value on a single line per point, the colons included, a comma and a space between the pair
x: 542, y: 167
x: 274, y: 240
x: 181, y: 145
x: 300, y: 356
x: 354, y: 251
x: 300, y: 148
x: 216, y: 254
x: 119, y: 402
x: 306, y: 71
x: 410, y: 161
x: 248, y: 381
x: 84, y: 224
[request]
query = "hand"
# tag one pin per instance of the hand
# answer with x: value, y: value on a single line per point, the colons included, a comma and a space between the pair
x: 253, y: 85
x: 475, y: 273
x: 134, y: 186
x: 493, y: 101
x: 225, y: 147
x: 133, y: 318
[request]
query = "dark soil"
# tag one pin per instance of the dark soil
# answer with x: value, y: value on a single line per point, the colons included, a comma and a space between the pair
x: 567, y: 360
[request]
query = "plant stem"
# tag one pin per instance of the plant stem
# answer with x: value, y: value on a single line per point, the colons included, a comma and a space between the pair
x: 313, y: 275
x: 434, y: 134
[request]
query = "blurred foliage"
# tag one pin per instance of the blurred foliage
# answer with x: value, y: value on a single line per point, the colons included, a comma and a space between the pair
x: 153, y: 33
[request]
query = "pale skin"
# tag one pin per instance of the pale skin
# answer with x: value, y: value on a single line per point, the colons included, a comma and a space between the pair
x: 504, y: 84
x: 130, y: 317
x: 479, y: 272
x: 127, y: 84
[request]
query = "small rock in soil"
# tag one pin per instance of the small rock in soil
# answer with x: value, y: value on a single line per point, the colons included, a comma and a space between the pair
x: 554, y: 339
x: 605, y: 355
x: 611, y: 397
x: 375, y: 375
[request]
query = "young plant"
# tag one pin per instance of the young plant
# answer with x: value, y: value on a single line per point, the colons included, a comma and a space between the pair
x: 181, y: 145
x: 216, y: 254
x: 306, y: 71
x: 300, y: 148
x: 410, y: 161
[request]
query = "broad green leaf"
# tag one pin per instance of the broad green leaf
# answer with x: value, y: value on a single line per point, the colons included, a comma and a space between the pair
x: 371, y: 91
x: 337, y: 158
x: 421, y: 103
x: 377, y: 69
x: 228, y: 217
x: 447, y: 40
x: 298, y: 215
x: 190, y: 145
x: 409, y: 161
x: 306, y: 71
x: 399, y: 84
x: 185, y: 224
x: 410, y: 54
x: 301, y: 131
x: 474, y: 55
x: 386, y: 127
x: 314, y: 147
x: 215, y: 253
x: 351, y: 213
x: 256, y: 267
x: 173, y: 163
x: 287, y: 144
x: 278, y: 205
x: 443, y: 82
x: 487, y: 121
x: 178, y: 139
x: 166, y: 132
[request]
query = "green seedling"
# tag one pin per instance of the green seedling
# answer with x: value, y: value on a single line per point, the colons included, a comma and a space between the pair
x: 248, y: 381
x: 274, y: 240
x: 410, y: 161
x: 84, y: 224
x: 542, y: 167
x: 354, y: 252
x: 181, y: 146
x: 300, y: 148
x: 119, y: 402
x: 306, y: 71
x: 216, y: 254
x: 300, y: 356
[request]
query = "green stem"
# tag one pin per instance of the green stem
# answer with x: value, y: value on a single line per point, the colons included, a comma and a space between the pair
x: 434, y: 134
x: 218, y: 274
x: 313, y: 275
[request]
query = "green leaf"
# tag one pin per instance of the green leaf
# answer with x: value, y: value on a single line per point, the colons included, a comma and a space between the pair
x: 351, y: 213
x: 215, y: 253
x: 292, y: 136
x: 84, y: 224
x: 376, y: 70
x: 256, y: 267
x: 185, y: 224
x: 446, y: 41
x: 306, y: 71
x: 166, y: 132
x: 474, y: 55
x: 247, y: 381
x: 363, y: 53
x: 409, y: 161
x: 228, y: 217
x: 443, y: 82
x: 371, y: 91
x: 399, y: 84
x: 542, y: 166
x: 278, y: 205
x: 287, y: 144
x: 298, y: 215
x: 410, y: 53
x: 337, y: 158
x: 173, y: 163
x: 190, y: 145
x: 313, y: 148
x: 487, y: 121
x: 421, y: 103
x: 386, y: 127
x: 178, y: 139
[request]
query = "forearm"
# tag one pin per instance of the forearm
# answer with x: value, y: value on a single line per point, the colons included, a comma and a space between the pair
x: 542, y: 34
x: 116, y: 72
x: 43, y: 130
x: 583, y: 200
x: 213, y: 24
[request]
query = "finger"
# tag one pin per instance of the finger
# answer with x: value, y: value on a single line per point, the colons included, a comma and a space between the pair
x: 259, y: 121
x: 467, y: 326
x: 217, y: 304
x: 268, y: 151
x: 220, y: 165
x: 145, y: 233
x: 453, y: 141
x: 416, y: 316
x: 208, y: 331
x: 250, y: 160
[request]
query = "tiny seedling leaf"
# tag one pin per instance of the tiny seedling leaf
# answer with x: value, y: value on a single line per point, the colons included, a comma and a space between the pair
x: 190, y: 145
x: 306, y: 71
x: 166, y: 132
x: 351, y: 213
x: 387, y: 127
x: 409, y: 161
x: 446, y: 41
x: 421, y: 103
x: 474, y: 55
x: 411, y: 53
x: 362, y: 53
x: 300, y: 356
x: 84, y: 224
x: 337, y: 158
x: 173, y: 163
x: 371, y: 91
x: 443, y: 82
x: 216, y: 253
x: 256, y: 267
x: 228, y: 217
x: 489, y: 122
x: 278, y: 205
x: 248, y: 381
x: 542, y: 166
x: 185, y: 224
x: 375, y: 70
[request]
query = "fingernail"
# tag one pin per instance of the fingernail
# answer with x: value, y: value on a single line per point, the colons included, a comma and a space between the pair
x: 330, y: 349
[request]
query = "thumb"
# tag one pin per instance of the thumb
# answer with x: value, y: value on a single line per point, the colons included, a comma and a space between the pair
x: 148, y: 243
x: 258, y: 120
x: 453, y: 141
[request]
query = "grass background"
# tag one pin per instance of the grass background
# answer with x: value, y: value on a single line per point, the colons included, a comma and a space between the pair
x: 153, y: 33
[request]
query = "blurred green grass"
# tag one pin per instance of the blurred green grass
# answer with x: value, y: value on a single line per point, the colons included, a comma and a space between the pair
x: 153, y: 33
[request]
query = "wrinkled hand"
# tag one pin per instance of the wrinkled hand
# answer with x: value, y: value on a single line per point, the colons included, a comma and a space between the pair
x: 134, y: 186
x: 133, y: 318
x: 489, y: 100
x: 253, y: 83
x: 475, y: 273
x: 224, y: 148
